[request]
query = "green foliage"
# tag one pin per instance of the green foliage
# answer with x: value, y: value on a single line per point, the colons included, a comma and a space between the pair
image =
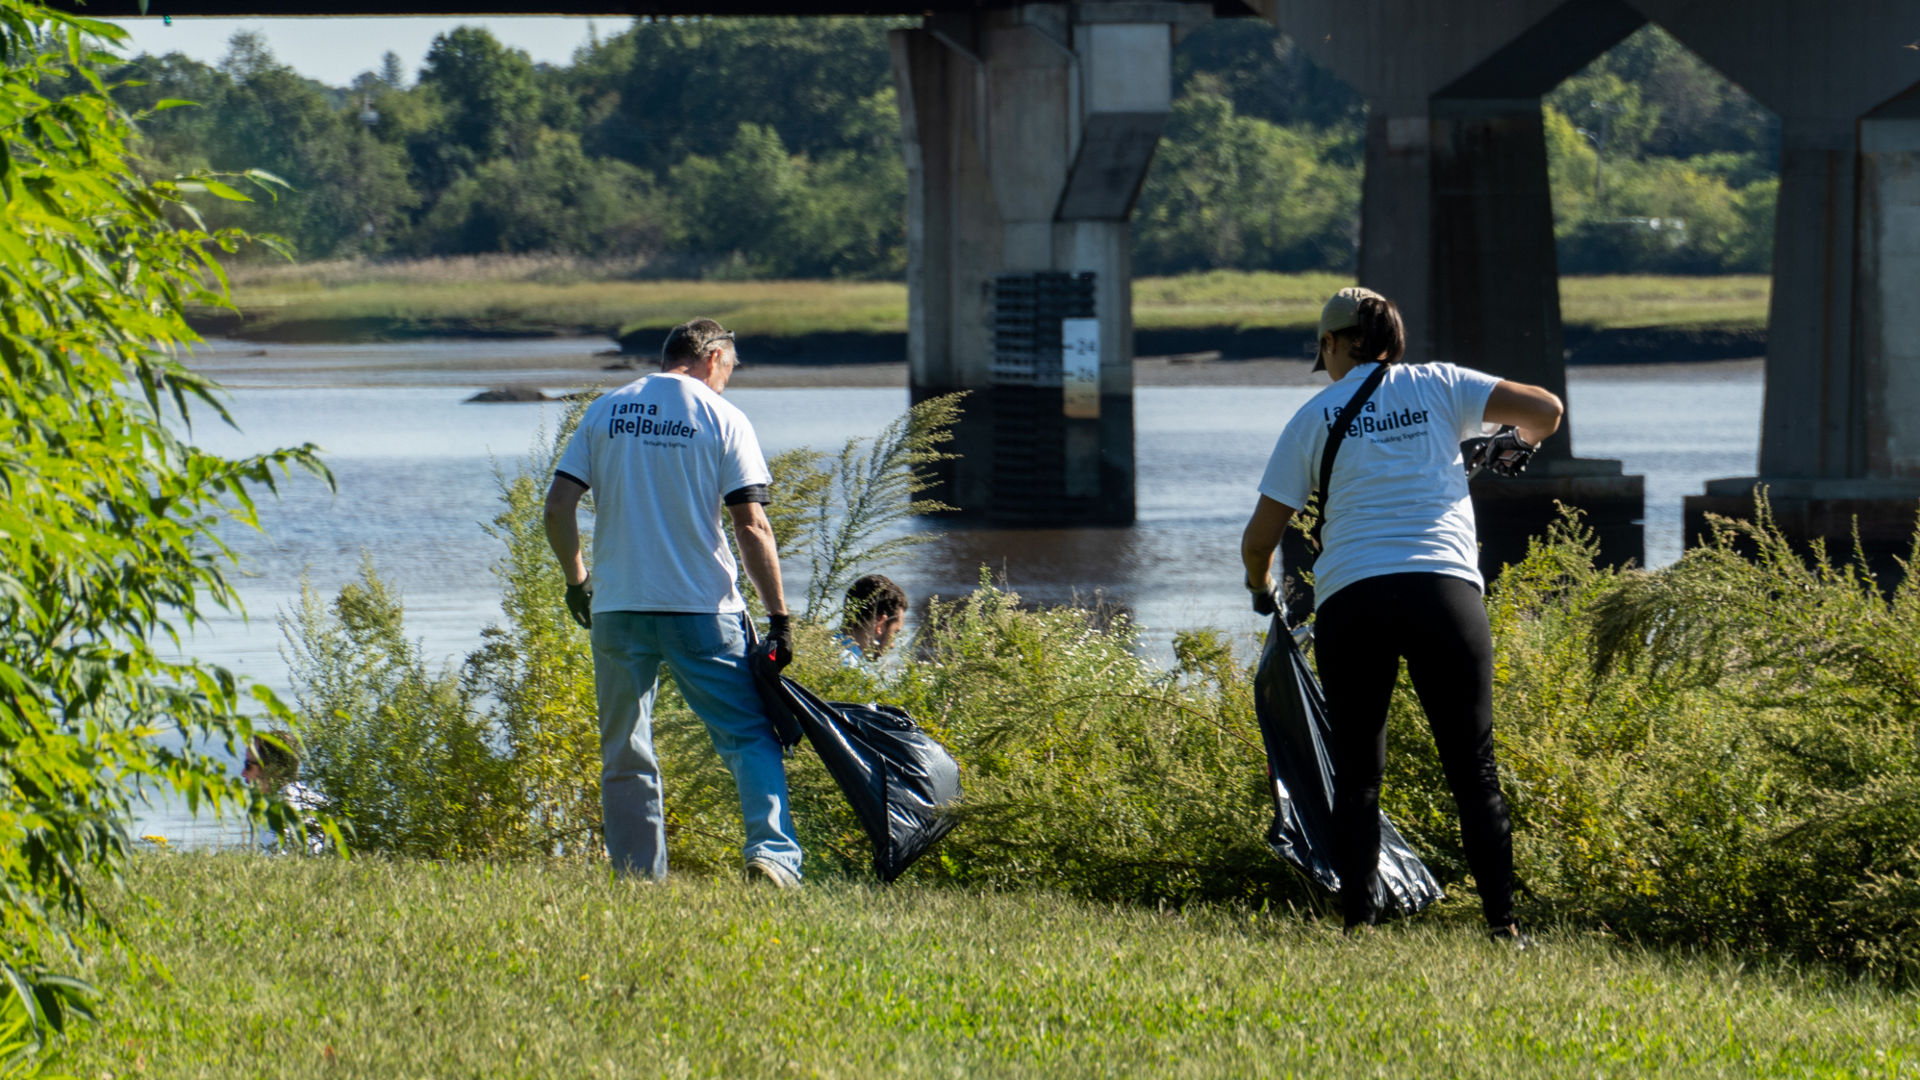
x: 108, y: 541
x: 396, y: 751
x: 350, y: 192
x: 487, y: 93
x: 756, y: 148
x: 1648, y: 132
x: 1087, y: 768
x: 553, y: 198
x: 1230, y: 191
x: 1266, y: 75
x: 537, y: 672
x: 1725, y: 751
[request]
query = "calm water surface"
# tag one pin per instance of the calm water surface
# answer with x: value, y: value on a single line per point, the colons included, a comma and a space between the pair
x: 416, y: 472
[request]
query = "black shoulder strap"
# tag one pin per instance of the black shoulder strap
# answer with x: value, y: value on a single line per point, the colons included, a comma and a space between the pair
x: 1337, y: 436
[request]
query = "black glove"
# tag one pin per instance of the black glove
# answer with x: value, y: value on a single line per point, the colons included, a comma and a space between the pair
x: 1266, y: 598
x: 1504, y: 454
x: 580, y: 603
x: 778, y: 648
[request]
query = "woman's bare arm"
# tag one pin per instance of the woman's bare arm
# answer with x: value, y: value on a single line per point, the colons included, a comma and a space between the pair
x: 1264, y: 530
x: 1535, y: 410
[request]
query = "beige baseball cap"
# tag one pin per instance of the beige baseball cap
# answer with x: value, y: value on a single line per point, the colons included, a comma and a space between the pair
x: 1342, y: 312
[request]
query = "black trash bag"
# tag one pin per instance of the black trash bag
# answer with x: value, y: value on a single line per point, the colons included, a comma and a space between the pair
x: 1293, y: 723
x: 899, y: 781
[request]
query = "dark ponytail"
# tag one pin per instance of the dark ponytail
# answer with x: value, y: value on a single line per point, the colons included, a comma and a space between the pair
x: 1379, y: 331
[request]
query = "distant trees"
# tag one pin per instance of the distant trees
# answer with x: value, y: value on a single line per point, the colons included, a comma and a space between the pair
x: 770, y: 147
x: 1228, y: 190
x: 1660, y: 164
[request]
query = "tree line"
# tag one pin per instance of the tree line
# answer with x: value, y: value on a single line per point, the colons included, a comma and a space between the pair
x: 770, y: 148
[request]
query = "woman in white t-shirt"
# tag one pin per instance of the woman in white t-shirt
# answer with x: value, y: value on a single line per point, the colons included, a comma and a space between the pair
x: 1398, y: 576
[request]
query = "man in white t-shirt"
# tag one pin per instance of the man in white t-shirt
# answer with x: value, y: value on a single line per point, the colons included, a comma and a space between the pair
x: 663, y: 455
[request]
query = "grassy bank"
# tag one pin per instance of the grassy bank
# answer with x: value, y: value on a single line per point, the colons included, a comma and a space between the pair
x: 543, y: 296
x: 294, y: 967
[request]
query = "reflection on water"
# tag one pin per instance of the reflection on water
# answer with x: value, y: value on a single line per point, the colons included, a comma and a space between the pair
x: 416, y: 480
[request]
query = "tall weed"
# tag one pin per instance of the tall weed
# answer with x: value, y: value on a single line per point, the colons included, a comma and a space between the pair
x: 1723, y: 751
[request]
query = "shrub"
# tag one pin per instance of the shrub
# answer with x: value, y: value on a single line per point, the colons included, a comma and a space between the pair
x: 1723, y: 752
x: 398, y: 753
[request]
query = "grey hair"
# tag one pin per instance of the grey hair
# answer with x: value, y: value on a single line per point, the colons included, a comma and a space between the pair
x: 692, y: 340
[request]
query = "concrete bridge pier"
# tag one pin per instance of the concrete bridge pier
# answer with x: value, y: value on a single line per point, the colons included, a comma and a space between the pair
x: 1028, y: 132
x: 1457, y: 216
x: 1840, y: 427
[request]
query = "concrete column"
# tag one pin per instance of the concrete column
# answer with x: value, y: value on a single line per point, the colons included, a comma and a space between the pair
x: 1890, y: 293
x: 1808, y: 421
x: 1028, y: 133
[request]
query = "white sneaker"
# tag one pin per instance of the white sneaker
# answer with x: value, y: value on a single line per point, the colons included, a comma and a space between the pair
x: 765, y: 871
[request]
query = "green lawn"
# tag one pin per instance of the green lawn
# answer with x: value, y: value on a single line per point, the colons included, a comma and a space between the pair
x: 534, y: 296
x: 298, y: 968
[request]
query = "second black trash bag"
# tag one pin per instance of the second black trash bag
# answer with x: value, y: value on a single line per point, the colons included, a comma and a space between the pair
x: 899, y: 781
x: 1294, y: 725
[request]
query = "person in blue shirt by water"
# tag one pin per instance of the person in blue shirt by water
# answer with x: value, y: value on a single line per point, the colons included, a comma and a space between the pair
x: 874, y: 613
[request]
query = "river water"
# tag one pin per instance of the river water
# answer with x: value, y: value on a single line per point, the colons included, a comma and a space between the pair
x: 416, y: 473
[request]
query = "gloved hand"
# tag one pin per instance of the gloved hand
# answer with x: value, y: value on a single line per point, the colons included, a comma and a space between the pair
x: 1266, y: 598
x: 778, y: 648
x: 1504, y: 454
x: 580, y: 603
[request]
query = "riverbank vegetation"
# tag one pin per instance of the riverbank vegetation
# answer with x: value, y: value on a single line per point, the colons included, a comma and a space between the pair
x: 1724, y: 753
x: 544, y: 295
x: 1658, y: 164
x: 374, y: 969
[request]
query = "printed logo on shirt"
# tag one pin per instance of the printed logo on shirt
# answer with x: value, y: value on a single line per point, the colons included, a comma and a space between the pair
x: 1379, y: 424
x: 637, y: 418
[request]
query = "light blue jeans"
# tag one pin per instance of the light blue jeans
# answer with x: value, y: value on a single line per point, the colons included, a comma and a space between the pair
x: 708, y: 657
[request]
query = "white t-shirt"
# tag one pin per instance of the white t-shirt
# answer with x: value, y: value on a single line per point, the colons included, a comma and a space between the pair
x: 660, y: 454
x: 1399, y: 502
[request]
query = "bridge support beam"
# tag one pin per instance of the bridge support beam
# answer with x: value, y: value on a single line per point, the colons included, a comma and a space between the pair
x: 1840, y: 427
x: 1457, y: 216
x: 1028, y: 132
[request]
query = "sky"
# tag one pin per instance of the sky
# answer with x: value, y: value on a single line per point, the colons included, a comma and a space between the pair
x: 334, y: 50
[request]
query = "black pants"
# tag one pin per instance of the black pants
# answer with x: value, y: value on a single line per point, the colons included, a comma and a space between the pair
x: 1439, y: 624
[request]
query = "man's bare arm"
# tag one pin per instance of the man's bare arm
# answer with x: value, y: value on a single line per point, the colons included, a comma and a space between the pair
x: 563, y: 527
x: 754, y: 533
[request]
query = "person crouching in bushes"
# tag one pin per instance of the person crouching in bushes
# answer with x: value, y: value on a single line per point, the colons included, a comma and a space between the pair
x: 874, y: 613
x: 271, y: 766
x: 1398, y: 577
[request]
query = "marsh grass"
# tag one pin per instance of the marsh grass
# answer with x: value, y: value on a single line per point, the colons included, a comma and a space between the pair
x: 299, y: 967
x: 557, y: 295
